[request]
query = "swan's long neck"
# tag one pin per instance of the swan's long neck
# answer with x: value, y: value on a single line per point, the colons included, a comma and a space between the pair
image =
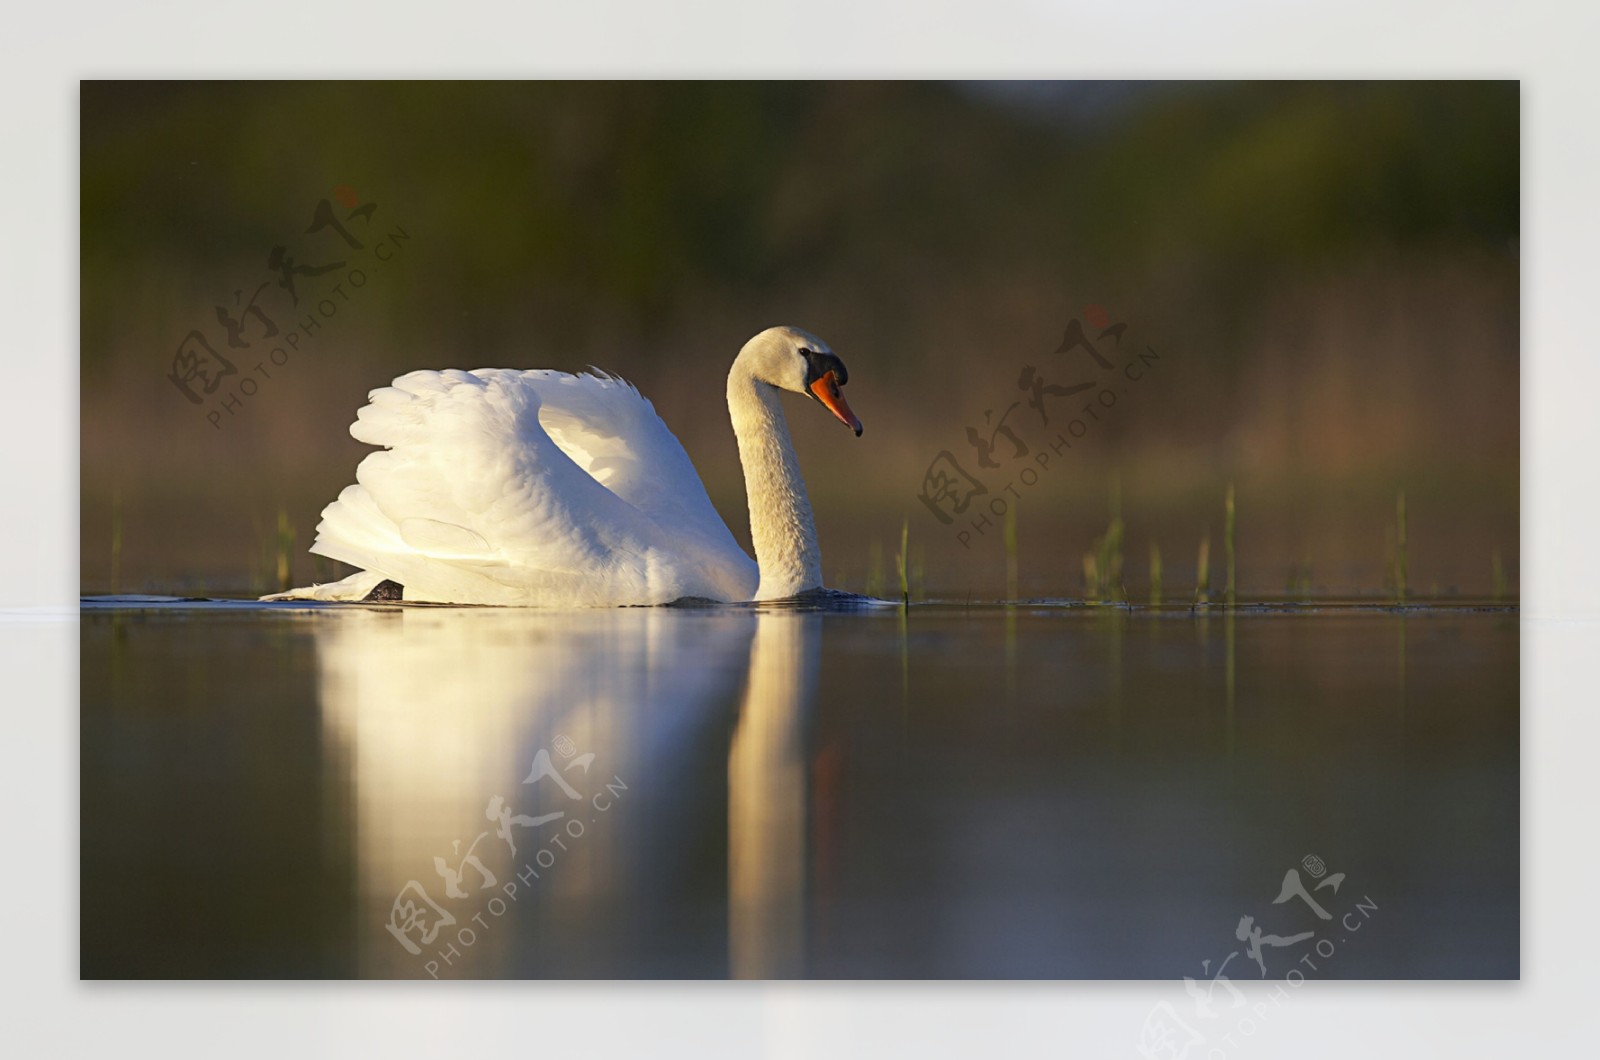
x: 781, y: 527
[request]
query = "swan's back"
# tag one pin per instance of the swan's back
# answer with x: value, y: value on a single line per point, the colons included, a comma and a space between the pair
x: 500, y: 486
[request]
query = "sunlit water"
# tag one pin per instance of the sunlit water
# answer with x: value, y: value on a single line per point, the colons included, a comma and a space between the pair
x: 1044, y: 791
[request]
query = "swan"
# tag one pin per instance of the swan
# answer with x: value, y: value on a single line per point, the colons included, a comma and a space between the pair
x: 540, y: 488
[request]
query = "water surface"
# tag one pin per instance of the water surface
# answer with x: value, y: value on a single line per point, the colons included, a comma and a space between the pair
x: 1030, y: 791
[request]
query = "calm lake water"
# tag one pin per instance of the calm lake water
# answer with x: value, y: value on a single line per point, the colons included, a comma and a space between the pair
x: 1037, y: 791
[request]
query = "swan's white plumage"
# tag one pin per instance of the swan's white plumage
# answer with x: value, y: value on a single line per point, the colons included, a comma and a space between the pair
x: 500, y: 486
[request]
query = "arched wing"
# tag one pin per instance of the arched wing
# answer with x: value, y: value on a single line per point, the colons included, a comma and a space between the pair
x: 507, y: 486
x: 613, y: 432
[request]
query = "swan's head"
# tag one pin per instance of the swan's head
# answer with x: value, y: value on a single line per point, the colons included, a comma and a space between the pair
x: 796, y: 360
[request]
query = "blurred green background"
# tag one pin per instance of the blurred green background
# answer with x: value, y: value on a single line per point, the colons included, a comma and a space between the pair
x: 1330, y: 272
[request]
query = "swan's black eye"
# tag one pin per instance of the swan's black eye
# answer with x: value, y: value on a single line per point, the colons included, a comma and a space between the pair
x: 813, y: 373
x: 820, y: 364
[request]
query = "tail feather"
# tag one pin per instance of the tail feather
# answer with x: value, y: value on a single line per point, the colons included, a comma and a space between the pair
x: 355, y: 587
x: 354, y: 531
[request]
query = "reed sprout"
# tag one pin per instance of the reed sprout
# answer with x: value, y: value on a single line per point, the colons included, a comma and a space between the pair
x: 1011, y: 551
x: 116, y: 541
x: 1102, y: 565
x: 1299, y: 583
x: 1109, y: 561
x: 1401, y: 560
x: 284, y: 546
x: 901, y: 562
x: 1230, y: 527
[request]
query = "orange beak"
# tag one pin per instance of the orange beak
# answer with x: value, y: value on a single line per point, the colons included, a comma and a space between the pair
x: 826, y: 390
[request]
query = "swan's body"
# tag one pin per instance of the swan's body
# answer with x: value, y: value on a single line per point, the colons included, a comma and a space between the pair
x: 540, y: 488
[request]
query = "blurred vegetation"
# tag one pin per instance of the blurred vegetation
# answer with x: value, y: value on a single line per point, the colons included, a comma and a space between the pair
x: 1330, y: 270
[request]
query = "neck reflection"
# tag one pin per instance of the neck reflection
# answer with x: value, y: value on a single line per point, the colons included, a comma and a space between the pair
x: 767, y: 800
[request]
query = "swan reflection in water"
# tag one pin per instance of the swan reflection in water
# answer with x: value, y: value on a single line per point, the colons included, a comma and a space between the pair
x: 608, y: 793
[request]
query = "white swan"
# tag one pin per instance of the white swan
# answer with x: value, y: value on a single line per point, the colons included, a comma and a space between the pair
x: 540, y: 488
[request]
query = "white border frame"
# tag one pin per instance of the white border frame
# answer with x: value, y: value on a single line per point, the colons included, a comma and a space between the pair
x: 46, y: 50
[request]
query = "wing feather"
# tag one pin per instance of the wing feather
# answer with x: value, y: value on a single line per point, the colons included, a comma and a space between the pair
x: 504, y: 486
